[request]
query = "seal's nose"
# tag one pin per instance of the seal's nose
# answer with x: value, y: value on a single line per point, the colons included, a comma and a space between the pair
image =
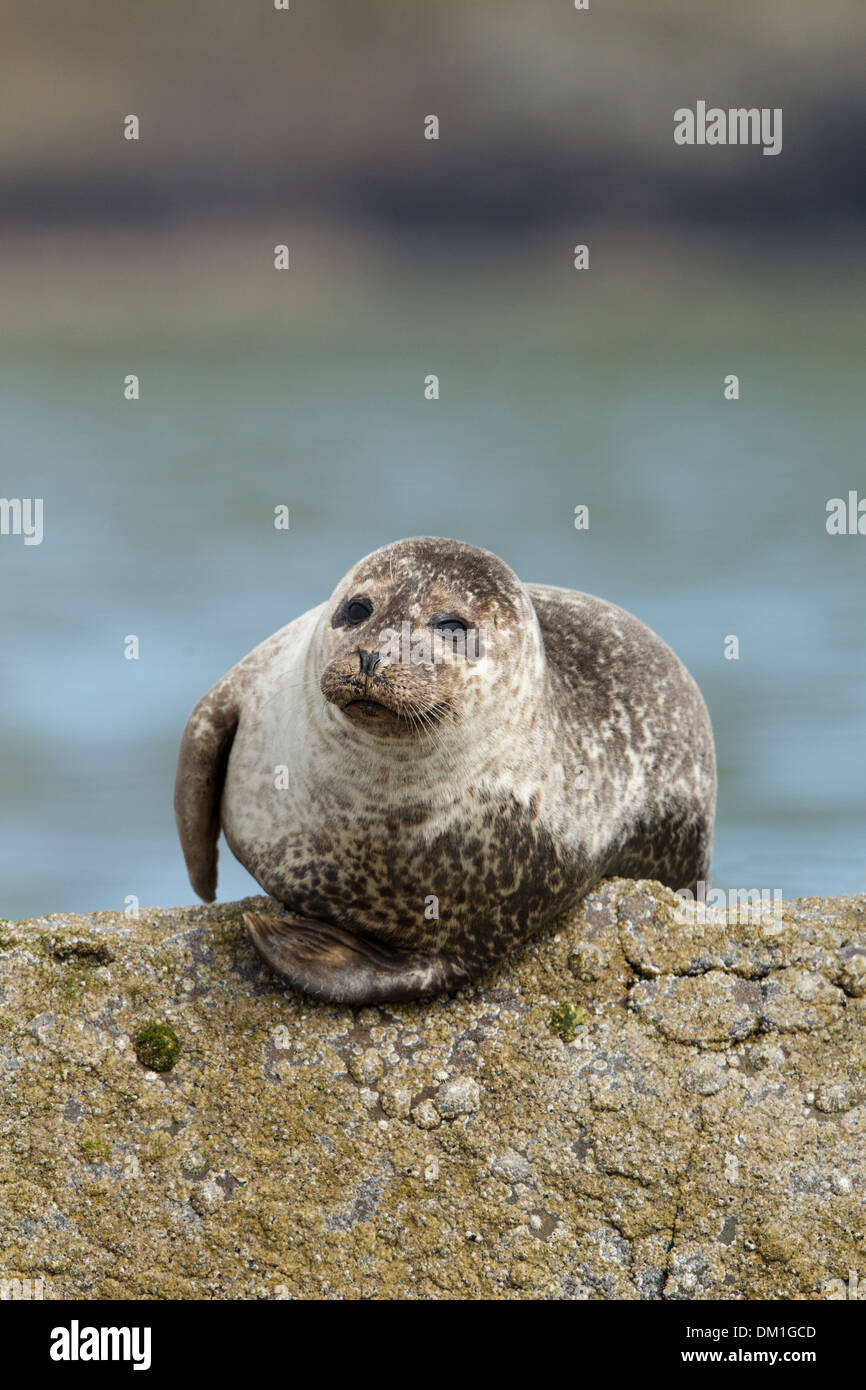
x: 369, y: 661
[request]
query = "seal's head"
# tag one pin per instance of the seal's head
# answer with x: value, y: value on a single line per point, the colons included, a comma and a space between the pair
x: 419, y: 632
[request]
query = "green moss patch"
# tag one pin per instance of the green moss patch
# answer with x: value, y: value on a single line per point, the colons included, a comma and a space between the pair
x: 566, y: 1019
x: 157, y: 1047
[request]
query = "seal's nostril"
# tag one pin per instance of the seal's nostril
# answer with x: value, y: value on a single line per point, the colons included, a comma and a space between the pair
x: 369, y: 661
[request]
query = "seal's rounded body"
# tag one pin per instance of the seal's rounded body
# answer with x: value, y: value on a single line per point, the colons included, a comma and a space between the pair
x: 431, y: 766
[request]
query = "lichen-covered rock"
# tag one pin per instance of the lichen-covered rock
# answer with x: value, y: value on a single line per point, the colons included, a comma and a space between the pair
x: 701, y: 1135
x: 459, y: 1097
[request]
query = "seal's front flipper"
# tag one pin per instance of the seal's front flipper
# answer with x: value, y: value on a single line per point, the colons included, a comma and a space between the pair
x: 337, y: 966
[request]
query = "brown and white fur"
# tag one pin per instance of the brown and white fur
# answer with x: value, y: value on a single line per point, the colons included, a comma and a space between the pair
x: 417, y: 819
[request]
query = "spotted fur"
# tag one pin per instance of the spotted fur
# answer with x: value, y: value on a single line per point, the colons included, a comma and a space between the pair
x: 575, y: 748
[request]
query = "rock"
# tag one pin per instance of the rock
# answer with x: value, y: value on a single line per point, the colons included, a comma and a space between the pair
x: 514, y: 1167
x: 395, y: 1098
x: 366, y: 1067
x: 587, y: 961
x: 206, y: 1198
x: 852, y: 974
x: 705, y: 1077
x: 710, y: 1010
x: 703, y: 1135
x: 799, y: 1001
x: 836, y: 1096
x: 459, y: 1097
x: 426, y: 1115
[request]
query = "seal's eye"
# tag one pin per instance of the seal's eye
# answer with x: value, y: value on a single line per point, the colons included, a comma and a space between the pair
x: 358, y: 610
x: 352, y: 612
x: 446, y: 622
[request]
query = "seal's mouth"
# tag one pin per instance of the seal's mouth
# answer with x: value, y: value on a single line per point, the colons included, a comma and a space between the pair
x: 384, y: 706
x: 370, y: 708
x: 371, y: 714
x: 406, y: 721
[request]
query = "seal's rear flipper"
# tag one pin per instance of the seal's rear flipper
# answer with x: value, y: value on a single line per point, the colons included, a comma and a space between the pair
x: 201, y: 769
x: 334, y: 965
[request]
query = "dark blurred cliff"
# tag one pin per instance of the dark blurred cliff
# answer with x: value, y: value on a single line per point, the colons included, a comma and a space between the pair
x: 547, y: 114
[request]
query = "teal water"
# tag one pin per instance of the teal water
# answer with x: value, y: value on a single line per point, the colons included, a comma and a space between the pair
x: 706, y: 519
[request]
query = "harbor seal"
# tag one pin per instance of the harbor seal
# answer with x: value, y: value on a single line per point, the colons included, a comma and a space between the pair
x: 437, y: 762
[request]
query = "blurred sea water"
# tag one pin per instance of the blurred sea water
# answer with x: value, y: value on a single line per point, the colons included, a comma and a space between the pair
x: 707, y: 519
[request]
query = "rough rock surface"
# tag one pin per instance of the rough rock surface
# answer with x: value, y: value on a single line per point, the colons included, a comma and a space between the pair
x: 703, y: 1134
